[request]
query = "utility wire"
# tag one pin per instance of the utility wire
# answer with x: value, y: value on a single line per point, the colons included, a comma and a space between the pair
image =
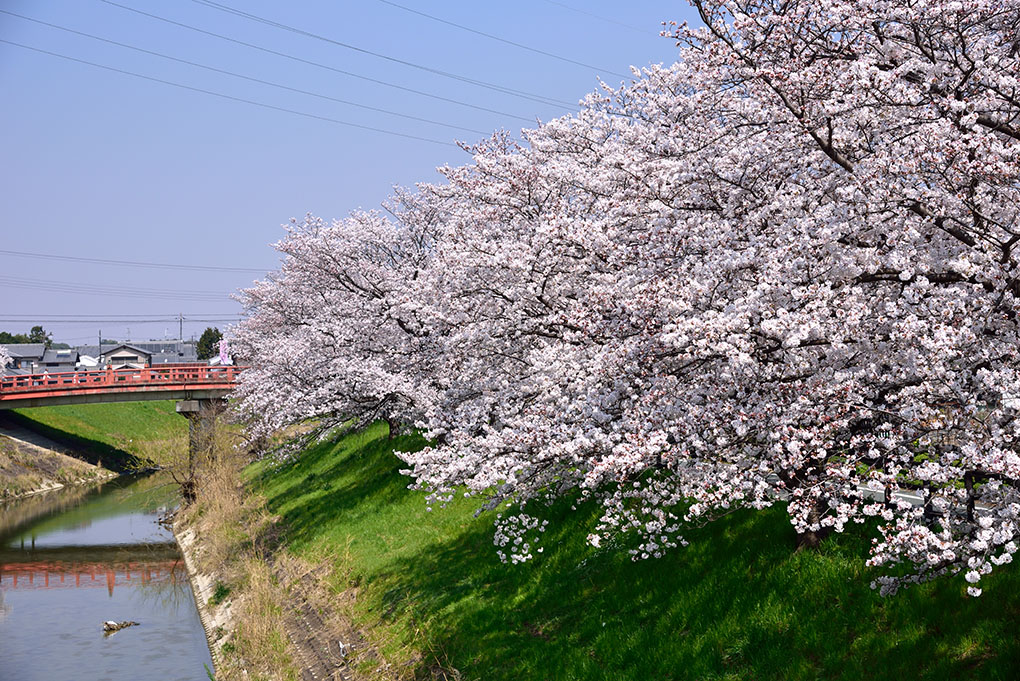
x: 318, y: 64
x: 541, y: 99
x: 231, y: 97
x: 132, y: 263
x: 248, y: 78
x: 497, y: 38
x: 99, y: 290
x: 110, y: 317
x: 160, y: 320
x: 598, y: 16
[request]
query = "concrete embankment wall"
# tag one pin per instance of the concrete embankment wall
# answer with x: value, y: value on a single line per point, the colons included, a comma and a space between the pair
x: 215, y: 619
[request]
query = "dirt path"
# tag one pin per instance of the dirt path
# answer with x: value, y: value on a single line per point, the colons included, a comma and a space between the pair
x: 318, y: 644
x: 27, y: 438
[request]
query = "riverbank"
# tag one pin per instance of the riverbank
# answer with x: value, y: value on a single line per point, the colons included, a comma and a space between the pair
x: 216, y: 621
x: 31, y: 463
x: 740, y: 601
x: 268, y: 613
x: 328, y: 564
x: 117, y: 436
x: 46, y: 448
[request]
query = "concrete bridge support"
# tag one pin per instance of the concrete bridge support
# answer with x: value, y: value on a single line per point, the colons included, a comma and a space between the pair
x: 201, y: 415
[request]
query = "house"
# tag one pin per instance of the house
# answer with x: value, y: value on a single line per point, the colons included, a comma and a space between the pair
x: 125, y: 356
x: 136, y: 355
x: 26, y: 358
x: 59, y: 360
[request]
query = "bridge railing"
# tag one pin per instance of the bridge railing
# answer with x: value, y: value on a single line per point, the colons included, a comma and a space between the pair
x: 165, y: 375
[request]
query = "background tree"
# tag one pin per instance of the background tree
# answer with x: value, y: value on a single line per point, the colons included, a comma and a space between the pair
x: 7, y: 337
x: 38, y: 335
x: 208, y: 343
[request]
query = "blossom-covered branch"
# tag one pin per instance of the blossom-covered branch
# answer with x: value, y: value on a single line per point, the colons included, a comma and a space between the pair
x: 781, y: 270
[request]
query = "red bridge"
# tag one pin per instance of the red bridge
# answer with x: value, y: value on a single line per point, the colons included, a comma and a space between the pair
x: 169, y: 382
x: 54, y: 575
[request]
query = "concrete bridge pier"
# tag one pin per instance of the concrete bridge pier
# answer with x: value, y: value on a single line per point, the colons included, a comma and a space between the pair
x: 201, y: 415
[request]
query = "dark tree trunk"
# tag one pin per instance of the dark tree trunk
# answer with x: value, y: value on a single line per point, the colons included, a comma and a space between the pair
x: 811, y: 539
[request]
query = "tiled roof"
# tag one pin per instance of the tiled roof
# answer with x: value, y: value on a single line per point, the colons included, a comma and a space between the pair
x: 25, y: 350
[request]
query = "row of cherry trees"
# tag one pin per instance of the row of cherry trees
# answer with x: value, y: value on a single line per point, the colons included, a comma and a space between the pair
x: 781, y: 270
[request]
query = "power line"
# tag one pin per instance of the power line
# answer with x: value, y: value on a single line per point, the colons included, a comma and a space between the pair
x: 597, y: 16
x: 113, y: 317
x: 99, y: 290
x: 319, y: 65
x: 132, y: 263
x: 92, y: 320
x: 541, y: 99
x: 497, y: 38
x: 49, y: 282
x: 244, y: 77
x: 231, y: 97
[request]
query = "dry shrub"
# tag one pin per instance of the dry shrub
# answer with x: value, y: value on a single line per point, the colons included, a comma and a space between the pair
x: 259, y: 648
x: 230, y: 522
x: 234, y: 529
x: 270, y: 589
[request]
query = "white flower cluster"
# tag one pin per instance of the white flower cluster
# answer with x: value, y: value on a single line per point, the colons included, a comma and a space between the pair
x: 781, y: 270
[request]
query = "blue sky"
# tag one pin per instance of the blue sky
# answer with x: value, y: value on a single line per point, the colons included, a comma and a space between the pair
x: 104, y: 165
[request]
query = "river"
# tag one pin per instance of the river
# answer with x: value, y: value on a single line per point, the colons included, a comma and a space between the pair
x: 75, y: 558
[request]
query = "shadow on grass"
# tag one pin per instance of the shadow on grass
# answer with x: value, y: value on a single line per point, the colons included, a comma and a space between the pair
x: 92, y: 451
x: 738, y: 603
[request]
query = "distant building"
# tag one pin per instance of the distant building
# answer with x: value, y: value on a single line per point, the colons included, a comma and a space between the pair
x: 136, y: 355
x: 35, y: 358
x: 125, y: 356
x: 25, y: 357
x: 59, y: 360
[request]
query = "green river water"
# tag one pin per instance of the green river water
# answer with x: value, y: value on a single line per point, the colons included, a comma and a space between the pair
x: 75, y: 558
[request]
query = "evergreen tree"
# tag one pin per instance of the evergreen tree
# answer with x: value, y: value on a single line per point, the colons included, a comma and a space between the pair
x: 208, y: 343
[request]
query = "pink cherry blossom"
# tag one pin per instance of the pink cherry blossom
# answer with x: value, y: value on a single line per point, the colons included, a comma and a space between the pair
x: 778, y: 271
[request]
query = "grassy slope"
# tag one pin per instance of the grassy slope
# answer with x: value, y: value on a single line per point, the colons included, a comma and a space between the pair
x: 738, y: 603
x: 113, y: 433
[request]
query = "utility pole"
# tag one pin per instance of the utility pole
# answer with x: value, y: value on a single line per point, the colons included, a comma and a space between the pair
x: 180, y: 335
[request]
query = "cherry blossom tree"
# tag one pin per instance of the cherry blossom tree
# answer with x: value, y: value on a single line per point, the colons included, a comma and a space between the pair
x: 781, y: 270
x: 331, y: 336
x: 5, y: 358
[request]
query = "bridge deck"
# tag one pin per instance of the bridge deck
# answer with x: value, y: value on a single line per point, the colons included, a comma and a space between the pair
x: 174, y: 381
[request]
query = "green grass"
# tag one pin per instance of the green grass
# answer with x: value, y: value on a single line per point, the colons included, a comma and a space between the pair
x: 738, y: 603
x: 220, y: 593
x: 116, y: 434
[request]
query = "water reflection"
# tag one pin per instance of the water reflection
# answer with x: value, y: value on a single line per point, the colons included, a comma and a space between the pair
x: 70, y: 561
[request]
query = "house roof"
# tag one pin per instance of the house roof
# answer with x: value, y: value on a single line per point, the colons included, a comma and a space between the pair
x: 126, y: 346
x: 63, y: 356
x: 25, y: 350
x: 149, y: 347
x: 167, y: 358
x: 168, y: 347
